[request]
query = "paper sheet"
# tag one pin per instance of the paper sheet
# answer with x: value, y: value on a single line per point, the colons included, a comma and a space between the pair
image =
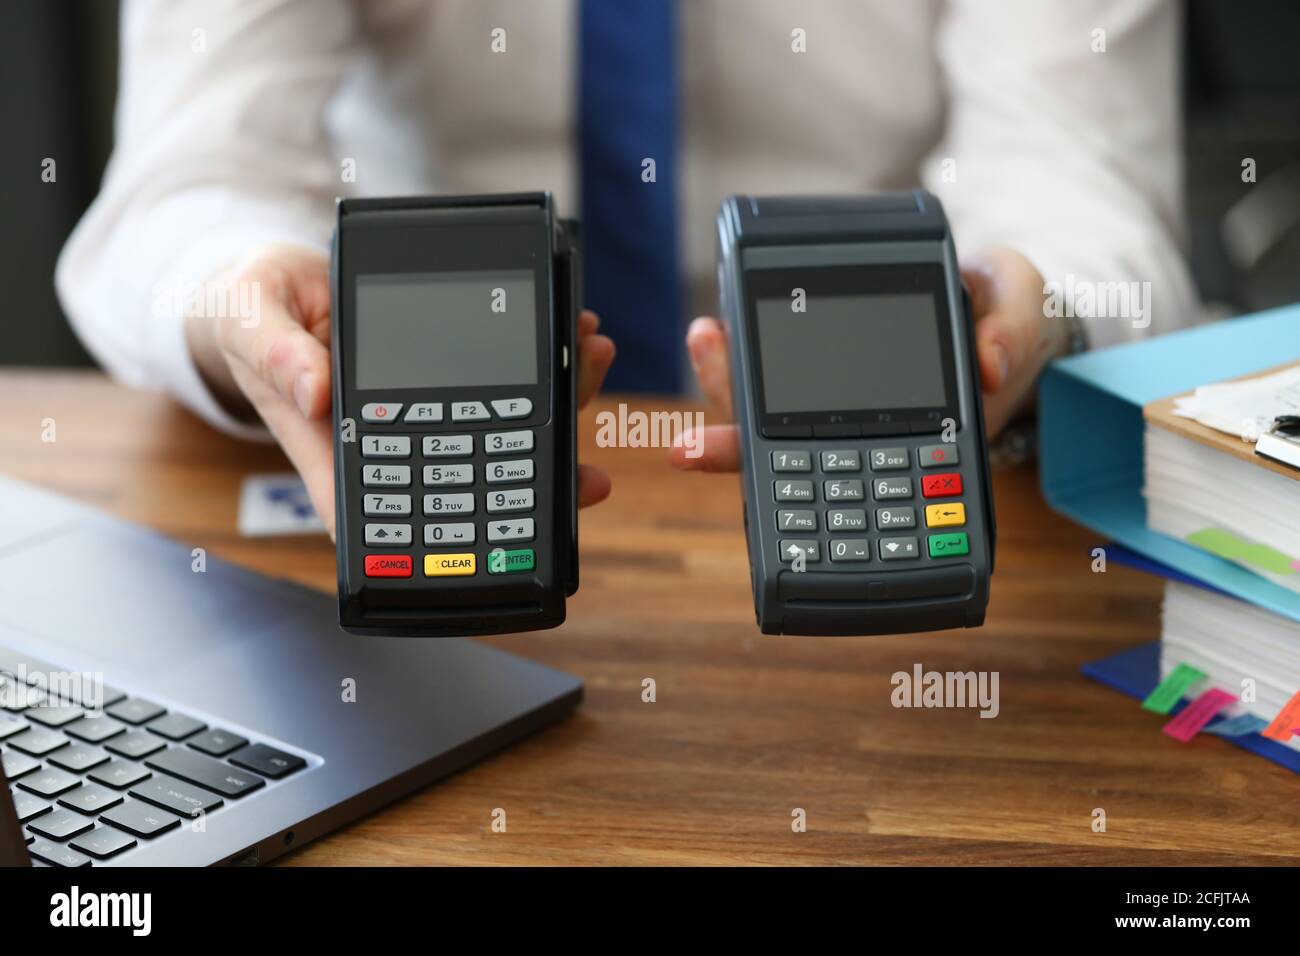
x: 1244, y: 408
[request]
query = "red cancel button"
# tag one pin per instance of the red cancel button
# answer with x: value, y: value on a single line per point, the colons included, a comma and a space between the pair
x: 389, y: 565
x: 941, y: 486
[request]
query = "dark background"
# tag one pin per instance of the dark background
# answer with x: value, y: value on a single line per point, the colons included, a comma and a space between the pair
x: 58, y: 63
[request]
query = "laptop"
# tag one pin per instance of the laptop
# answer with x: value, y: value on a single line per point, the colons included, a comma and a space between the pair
x: 161, y: 707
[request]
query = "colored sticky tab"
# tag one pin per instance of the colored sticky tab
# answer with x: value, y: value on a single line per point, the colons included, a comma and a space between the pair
x: 1171, y: 689
x: 1238, y: 726
x: 1286, y: 721
x: 1197, y: 714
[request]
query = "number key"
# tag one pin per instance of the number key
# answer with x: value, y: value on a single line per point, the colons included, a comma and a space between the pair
x: 846, y: 520
x: 448, y: 446
x: 796, y: 521
x: 793, y: 490
x: 843, y: 490
x: 885, y: 488
x: 841, y: 461
x: 890, y: 459
x: 791, y: 461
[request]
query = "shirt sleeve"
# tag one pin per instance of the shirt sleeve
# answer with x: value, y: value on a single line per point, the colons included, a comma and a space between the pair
x: 1062, y: 141
x: 221, y: 146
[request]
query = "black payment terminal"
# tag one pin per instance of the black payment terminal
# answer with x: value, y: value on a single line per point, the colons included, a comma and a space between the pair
x: 454, y: 324
x: 868, y: 507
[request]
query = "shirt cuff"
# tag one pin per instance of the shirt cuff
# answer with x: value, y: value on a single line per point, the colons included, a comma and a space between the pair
x: 169, y: 351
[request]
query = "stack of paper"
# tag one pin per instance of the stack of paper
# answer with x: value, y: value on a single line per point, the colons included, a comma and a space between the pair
x: 1205, y: 485
x: 1252, y: 654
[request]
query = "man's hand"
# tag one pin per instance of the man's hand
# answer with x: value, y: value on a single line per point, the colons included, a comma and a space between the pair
x: 278, y: 367
x: 1013, y: 339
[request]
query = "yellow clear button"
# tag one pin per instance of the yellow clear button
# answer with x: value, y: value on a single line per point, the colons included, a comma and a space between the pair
x: 445, y: 565
x: 945, y: 515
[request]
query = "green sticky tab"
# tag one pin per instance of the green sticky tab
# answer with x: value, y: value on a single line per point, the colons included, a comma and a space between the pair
x: 1171, y: 689
x: 511, y: 562
x: 1232, y: 548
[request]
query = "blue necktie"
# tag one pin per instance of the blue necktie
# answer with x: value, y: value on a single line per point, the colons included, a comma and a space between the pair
x: 627, y: 116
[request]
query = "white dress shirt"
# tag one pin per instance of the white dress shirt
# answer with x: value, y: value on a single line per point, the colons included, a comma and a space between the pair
x: 237, y: 123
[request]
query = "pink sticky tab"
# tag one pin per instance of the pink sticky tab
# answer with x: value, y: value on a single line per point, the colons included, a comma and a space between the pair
x: 1197, y: 714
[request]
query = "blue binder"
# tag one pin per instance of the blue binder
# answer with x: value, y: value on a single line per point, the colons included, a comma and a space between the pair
x: 1090, y: 434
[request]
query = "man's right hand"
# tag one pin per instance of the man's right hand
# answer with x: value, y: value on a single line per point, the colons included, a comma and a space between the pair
x: 276, y: 366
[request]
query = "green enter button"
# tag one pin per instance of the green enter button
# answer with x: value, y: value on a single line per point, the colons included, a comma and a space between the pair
x: 949, y: 545
x: 510, y: 562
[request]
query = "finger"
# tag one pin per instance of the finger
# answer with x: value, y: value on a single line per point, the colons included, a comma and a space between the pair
x: 1004, y: 340
x: 588, y: 323
x: 712, y: 448
x: 706, y: 341
x: 593, y: 486
x: 284, y: 355
x: 309, y: 445
x: 595, y: 355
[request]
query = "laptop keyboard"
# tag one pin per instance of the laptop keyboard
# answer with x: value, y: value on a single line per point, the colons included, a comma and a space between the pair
x: 90, y: 786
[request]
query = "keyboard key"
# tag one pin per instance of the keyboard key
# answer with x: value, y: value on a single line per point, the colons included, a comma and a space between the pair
x: 385, y: 446
x: 791, y: 549
x: 377, y: 413
x: 469, y: 412
x: 204, y: 771
x: 505, y: 472
x: 846, y: 489
x: 90, y: 798
x: 447, y: 446
x: 508, y: 443
x: 941, y: 486
x: 890, y: 459
x: 38, y: 741
x: 91, y: 696
x: 17, y: 764
x: 176, y: 726
x: 847, y: 460
x: 851, y: 519
x: 934, y: 456
x: 386, y: 506
x: 119, y: 774
x: 791, y: 461
x: 55, y: 854
x: 793, y: 490
x: 850, y: 549
x: 796, y: 521
x: 60, y: 825
x: 900, y: 516
x: 517, y: 499
x: 135, y: 744
x: 176, y: 796
x: 898, y: 549
x: 424, y: 413
x: 511, y: 562
x: 268, y: 761
x: 133, y: 710
x: 49, y: 782
x: 512, y: 407
x: 140, y: 819
x: 450, y: 476
x: 29, y: 806
x: 217, y: 743
x: 78, y: 757
x: 886, y: 488
x: 103, y: 842
x: 10, y: 726
x: 449, y: 565
x: 386, y: 476
x: 389, y: 565
x: 94, y: 730
x: 53, y: 716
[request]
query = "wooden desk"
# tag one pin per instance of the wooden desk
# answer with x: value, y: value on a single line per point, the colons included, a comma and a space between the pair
x: 745, y: 728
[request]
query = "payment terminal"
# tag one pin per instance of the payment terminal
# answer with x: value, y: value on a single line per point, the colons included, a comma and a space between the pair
x: 868, y: 507
x: 454, y: 324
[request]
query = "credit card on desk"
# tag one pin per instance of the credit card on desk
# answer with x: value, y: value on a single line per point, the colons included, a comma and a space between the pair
x: 276, y: 505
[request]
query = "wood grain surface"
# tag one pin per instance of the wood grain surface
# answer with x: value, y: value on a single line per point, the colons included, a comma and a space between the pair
x: 745, y: 728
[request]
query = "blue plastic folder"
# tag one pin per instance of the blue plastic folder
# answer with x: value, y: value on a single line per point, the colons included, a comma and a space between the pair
x: 1091, y: 428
